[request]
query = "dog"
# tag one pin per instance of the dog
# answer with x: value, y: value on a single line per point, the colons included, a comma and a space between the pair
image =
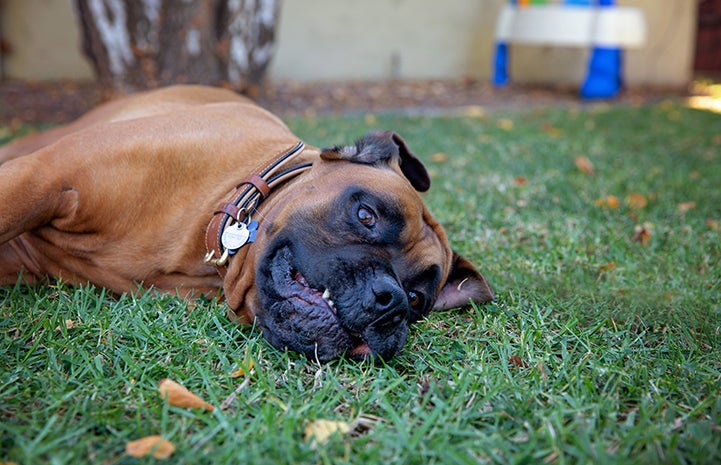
x: 198, y: 191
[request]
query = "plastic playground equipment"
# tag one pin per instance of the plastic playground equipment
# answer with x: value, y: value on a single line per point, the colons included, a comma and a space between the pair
x: 599, y: 24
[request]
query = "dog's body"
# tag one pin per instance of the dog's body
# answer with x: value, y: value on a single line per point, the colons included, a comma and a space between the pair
x: 345, y: 257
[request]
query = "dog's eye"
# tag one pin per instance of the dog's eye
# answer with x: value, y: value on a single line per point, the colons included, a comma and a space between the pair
x: 416, y: 300
x: 367, y: 217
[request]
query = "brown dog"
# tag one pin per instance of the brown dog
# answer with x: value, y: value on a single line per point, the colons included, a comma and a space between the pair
x: 192, y: 190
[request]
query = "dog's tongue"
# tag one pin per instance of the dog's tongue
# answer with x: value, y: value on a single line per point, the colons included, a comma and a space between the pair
x: 361, y: 351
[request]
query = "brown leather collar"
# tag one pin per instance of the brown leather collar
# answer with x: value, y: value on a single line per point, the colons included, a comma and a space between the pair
x: 231, y: 226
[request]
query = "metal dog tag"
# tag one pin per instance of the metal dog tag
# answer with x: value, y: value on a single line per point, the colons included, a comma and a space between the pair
x: 235, y: 236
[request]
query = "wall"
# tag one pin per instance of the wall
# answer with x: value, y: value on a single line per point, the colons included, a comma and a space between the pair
x: 377, y: 39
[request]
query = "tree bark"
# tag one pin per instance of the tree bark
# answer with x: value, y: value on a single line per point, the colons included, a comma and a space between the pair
x: 140, y: 44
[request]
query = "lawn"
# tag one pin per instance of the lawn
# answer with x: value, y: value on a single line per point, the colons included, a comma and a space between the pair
x: 600, y: 230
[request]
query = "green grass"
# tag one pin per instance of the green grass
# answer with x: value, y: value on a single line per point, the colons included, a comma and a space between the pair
x: 598, y: 349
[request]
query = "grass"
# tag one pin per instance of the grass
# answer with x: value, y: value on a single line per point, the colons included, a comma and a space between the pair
x: 602, y: 345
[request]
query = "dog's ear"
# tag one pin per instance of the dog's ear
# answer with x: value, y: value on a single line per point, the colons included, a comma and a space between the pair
x: 464, y: 284
x: 382, y: 147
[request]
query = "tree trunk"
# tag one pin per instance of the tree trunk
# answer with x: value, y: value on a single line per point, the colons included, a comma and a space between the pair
x: 140, y: 44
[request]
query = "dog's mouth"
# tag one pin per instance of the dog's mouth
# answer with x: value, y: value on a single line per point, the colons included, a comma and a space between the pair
x: 314, y: 298
x: 302, y: 316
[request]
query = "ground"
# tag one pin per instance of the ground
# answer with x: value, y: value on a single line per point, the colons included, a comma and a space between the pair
x: 56, y: 102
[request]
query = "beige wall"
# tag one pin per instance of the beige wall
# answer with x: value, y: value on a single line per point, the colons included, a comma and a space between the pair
x: 45, y: 40
x: 348, y: 39
x: 377, y: 39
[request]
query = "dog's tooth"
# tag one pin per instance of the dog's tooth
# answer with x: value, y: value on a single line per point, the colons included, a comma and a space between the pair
x: 326, y: 294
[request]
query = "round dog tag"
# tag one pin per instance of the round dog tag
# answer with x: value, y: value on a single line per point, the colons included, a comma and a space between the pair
x: 235, y: 236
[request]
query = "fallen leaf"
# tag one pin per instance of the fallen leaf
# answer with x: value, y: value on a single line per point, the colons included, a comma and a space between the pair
x: 179, y: 396
x: 551, y: 130
x: 520, y: 180
x: 636, y: 201
x: 69, y: 324
x: 642, y: 234
x: 245, y: 366
x: 318, y: 432
x: 608, y: 266
x: 584, y: 165
x: 683, y: 207
x: 712, y: 224
x: 439, y: 157
x: 517, y: 361
x: 160, y: 447
x: 505, y: 124
x: 611, y: 201
x: 475, y: 111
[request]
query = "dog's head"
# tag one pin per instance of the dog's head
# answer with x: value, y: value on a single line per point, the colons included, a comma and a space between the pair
x: 349, y: 257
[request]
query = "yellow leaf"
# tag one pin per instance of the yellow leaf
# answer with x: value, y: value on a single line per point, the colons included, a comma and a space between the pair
x: 683, y: 207
x: 584, y: 165
x: 611, y: 201
x: 318, y: 432
x: 179, y: 396
x: 69, y: 324
x: 636, y: 201
x: 160, y: 448
x: 505, y: 124
x: 713, y: 225
x: 245, y: 366
x: 439, y: 157
x: 551, y: 130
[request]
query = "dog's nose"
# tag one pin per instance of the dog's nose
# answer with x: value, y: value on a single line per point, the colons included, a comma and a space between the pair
x: 390, y: 298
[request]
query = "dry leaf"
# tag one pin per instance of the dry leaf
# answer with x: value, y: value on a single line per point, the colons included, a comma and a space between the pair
x: 551, y: 130
x: 160, y: 448
x: 683, y: 207
x: 505, y: 124
x: 642, y: 234
x: 517, y: 361
x: 69, y: 324
x: 245, y: 366
x: 584, y: 165
x: 608, y: 266
x: 474, y: 111
x: 712, y: 224
x: 520, y: 180
x: 636, y: 201
x: 611, y: 201
x: 439, y: 157
x: 179, y: 396
x: 318, y: 432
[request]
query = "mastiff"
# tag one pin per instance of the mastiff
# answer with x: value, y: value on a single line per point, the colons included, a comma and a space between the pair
x: 197, y: 191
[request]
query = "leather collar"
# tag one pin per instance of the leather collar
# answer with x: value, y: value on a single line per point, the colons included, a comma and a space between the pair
x: 231, y: 228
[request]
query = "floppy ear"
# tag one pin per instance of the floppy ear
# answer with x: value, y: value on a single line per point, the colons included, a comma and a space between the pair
x: 463, y: 285
x: 382, y: 147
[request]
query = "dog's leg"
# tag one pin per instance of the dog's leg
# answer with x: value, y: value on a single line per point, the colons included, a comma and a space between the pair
x: 31, y: 195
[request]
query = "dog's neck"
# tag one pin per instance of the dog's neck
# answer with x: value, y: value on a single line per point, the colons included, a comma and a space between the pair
x: 232, y: 228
